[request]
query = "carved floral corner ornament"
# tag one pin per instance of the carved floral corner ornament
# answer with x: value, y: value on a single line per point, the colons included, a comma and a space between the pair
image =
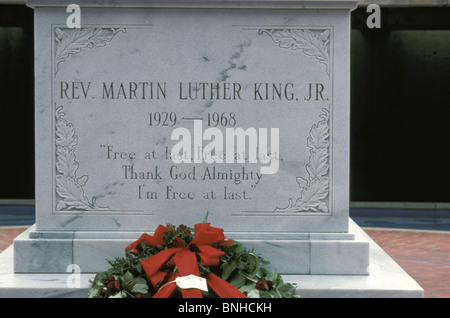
x: 69, y: 187
x: 312, y: 43
x: 72, y: 41
x: 314, y: 188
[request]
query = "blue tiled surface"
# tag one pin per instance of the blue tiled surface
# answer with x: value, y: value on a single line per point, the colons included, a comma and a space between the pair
x: 419, y: 219
x: 417, y: 223
x: 16, y: 215
x: 381, y: 218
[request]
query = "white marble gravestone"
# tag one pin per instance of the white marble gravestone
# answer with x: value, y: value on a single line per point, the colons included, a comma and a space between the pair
x: 141, y: 114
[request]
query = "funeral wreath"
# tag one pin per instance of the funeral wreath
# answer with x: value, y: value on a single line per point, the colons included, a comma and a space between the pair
x: 178, y: 261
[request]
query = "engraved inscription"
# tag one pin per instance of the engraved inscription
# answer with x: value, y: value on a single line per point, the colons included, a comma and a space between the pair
x: 162, y: 112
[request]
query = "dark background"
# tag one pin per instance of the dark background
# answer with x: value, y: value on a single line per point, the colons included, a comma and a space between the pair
x: 16, y: 102
x: 400, y: 105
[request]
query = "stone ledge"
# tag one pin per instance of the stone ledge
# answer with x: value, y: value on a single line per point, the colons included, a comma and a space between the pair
x: 406, y: 3
x: 245, y: 4
x: 298, y: 253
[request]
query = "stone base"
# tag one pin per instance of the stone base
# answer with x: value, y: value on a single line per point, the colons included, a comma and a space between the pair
x: 384, y: 279
x: 289, y: 253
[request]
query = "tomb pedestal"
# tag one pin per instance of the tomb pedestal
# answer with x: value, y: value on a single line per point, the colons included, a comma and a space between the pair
x: 156, y: 112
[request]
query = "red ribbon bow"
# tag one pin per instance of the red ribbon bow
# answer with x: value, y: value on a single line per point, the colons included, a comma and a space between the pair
x: 185, y: 258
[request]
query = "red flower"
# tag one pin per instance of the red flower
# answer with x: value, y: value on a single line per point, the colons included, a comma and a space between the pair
x: 185, y: 229
x: 178, y: 242
x: 114, y: 286
x: 109, y: 279
x: 261, y: 284
x: 117, y: 286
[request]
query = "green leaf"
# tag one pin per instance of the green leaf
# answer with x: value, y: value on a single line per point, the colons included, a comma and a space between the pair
x: 237, y: 280
x: 266, y: 294
x: 140, y: 280
x: 228, y: 269
x: 272, y: 276
x: 254, y: 264
x: 121, y: 294
x: 93, y: 293
x: 239, y: 247
x: 141, y: 286
x: 287, y: 290
x: 263, y: 272
x: 128, y: 281
x: 248, y: 288
x: 128, y: 286
x: 140, y: 289
x: 139, y: 268
x: 254, y: 293
x: 127, y: 277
